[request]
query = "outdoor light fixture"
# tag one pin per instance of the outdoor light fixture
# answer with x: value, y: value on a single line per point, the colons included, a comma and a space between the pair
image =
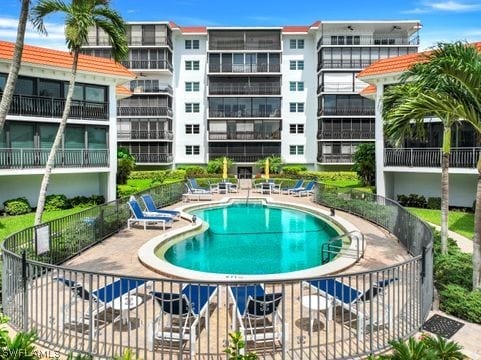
x: 194, y: 219
x: 333, y: 212
x: 395, y: 27
x: 349, y: 27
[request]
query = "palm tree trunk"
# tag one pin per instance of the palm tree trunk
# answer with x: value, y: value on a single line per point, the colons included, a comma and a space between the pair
x: 477, y: 234
x: 58, y: 138
x: 445, y: 189
x: 15, y: 67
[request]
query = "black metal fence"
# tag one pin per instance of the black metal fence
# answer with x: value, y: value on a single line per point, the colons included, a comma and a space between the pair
x: 332, y: 317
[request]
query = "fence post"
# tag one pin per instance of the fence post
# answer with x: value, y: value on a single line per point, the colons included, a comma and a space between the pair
x: 25, y: 293
x: 423, y: 264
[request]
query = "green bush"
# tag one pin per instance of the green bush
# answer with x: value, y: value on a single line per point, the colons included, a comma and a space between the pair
x: 216, y: 166
x: 458, y: 301
x: 85, y: 201
x: 293, y: 170
x: 56, y: 202
x: 454, y: 269
x: 434, y: 203
x: 124, y: 168
x: 17, y: 206
x: 412, y: 200
x: 193, y: 171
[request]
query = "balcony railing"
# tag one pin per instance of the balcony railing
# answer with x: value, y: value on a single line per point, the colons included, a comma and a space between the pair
x: 143, y: 111
x: 144, y: 135
x: 147, y: 64
x: 341, y: 87
x: 247, y: 158
x: 236, y: 89
x: 344, y: 64
x: 241, y: 45
x: 162, y: 89
x: 158, y: 41
x: 346, y: 134
x: 25, y: 158
x: 431, y: 157
x: 24, y: 105
x: 335, y: 158
x: 244, y: 68
x: 159, y: 158
x: 366, y: 111
x: 378, y: 39
x: 254, y: 135
x: 244, y: 114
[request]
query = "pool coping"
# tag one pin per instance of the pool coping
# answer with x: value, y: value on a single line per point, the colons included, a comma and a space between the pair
x: 147, y: 257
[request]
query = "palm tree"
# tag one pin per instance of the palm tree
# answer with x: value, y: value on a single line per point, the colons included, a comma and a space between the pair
x: 80, y: 15
x: 15, y: 67
x: 404, y: 108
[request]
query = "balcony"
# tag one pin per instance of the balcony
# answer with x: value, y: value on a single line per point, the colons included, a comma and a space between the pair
x: 341, y: 87
x: 254, y: 135
x: 161, y: 89
x: 244, y: 68
x: 431, y: 157
x: 234, y: 44
x: 245, y: 114
x: 243, y: 158
x: 345, y: 134
x: 335, y: 159
x: 143, y: 111
x: 158, y: 41
x: 344, y: 64
x: 144, y: 135
x: 361, y: 111
x: 147, y: 65
x: 244, y: 89
x: 377, y: 39
x: 23, y: 105
x: 159, y: 158
x: 37, y: 158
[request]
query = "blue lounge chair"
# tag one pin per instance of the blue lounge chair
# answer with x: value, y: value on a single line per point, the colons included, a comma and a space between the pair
x: 351, y: 299
x: 139, y: 216
x: 195, y: 187
x: 104, y: 298
x: 297, y: 186
x: 196, y: 194
x: 183, y: 311
x: 151, y: 208
x: 257, y: 314
x: 309, y: 189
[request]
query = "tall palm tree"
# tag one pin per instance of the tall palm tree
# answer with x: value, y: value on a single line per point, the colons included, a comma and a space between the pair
x: 404, y: 108
x: 80, y: 15
x: 15, y: 67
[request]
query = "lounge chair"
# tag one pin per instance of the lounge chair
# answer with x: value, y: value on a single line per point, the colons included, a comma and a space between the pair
x: 151, y: 208
x: 183, y: 311
x: 297, y: 186
x: 195, y: 187
x: 256, y: 313
x: 196, y: 194
x: 351, y: 299
x: 138, y: 216
x: 309, y: 189
x: 118, y: 296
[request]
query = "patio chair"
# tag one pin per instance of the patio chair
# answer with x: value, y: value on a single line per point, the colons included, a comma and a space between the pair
x: 196, y: 194
x: 256, y: 313
x: 195, y: 187
x: 352, y: 299
x: 308, y: 190
x: 151, y: 208
x: 183, y: 311
x: 297, y: 186
x: 118, y: 297
x: 138, y: 216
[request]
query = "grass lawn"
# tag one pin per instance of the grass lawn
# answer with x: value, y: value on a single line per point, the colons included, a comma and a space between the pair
x: 11, y: 224
x: 459, y: 222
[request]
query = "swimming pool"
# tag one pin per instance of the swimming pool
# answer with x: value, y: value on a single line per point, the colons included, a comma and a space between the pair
x: 252, y: 239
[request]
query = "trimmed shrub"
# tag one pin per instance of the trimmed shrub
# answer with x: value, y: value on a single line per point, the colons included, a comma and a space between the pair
x: 17, y: 206
x: 293, y: 170
x: 434, y: 203
x: 412, y: 200
x: 56, y: 202
x: 194, y: 171
x: 458, y: 301
x: 454, y: 269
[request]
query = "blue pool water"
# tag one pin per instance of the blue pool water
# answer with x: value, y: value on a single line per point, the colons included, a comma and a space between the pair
x: 253, y: 239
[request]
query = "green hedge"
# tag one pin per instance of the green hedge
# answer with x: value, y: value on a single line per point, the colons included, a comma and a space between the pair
x: 17, y: 206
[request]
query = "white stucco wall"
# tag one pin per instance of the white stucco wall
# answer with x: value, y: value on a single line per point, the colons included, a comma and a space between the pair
x: 462, y: 187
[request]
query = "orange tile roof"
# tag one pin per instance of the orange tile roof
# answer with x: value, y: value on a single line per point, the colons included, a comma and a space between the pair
x: 296, y: 29
x: 368, y: 90
x: 63, y: 59
x: 193, y: 29
x: 122, y: 91
x: 398, y: 64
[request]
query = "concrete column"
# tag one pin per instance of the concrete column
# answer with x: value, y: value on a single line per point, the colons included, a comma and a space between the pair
x: 379, y: 136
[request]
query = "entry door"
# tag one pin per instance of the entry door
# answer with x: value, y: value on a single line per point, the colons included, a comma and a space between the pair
x: 244, y: 172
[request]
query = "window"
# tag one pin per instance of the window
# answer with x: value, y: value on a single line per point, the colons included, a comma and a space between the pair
x: 296, y: 150
x: 192, y: 65
x: 296, y: 128
x: 192, y: 86
x: 192, y: 129
x: 192, y: 150
x: 296, y: 86
x: 296, y: 65
x: 296, y: 44
x: 192, y: 44
x: 192, y: 107
x: 296, y: 107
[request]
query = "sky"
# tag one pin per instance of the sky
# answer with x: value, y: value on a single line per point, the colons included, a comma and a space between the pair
x: 442, y: 20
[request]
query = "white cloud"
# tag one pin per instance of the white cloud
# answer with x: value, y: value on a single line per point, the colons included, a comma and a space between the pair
x: 433, y: 37
x: 446, y: 6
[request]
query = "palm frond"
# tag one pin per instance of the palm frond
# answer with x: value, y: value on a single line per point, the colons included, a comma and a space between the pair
x: 43, y: 9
